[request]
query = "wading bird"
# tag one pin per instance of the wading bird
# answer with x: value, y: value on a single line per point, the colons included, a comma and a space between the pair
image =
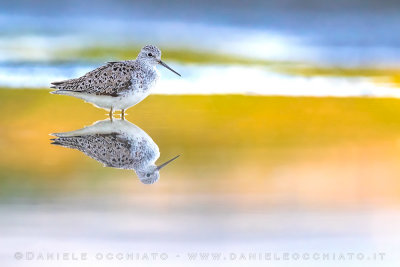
x: 117, y: 144
x: 117, y: 85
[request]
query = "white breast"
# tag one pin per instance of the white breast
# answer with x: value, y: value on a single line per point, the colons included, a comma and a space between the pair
x: 127, y: 100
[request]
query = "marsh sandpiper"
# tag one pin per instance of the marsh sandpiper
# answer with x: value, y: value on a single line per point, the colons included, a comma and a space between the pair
x: 117, y: 144
x: 117, y: 85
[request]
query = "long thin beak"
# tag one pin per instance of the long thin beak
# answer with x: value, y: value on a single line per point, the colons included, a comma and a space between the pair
x: 165, y: 65
x: 165, y: 163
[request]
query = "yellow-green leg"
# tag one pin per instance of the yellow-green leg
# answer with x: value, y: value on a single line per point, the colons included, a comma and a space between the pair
x: 111, y: 113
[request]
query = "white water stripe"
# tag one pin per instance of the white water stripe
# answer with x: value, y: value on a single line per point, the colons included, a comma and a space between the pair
x: 210, y: 80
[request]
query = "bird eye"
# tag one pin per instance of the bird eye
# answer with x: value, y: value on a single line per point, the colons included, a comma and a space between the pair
x: 150, y: 54
x: 148, y: 175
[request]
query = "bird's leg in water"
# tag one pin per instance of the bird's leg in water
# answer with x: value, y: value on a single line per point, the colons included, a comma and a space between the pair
x: 123, y: 114
x: 111, y: 113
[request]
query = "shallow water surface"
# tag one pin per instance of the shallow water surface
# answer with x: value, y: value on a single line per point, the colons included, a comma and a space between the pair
x: 256, y: 174
x: 286, y: 119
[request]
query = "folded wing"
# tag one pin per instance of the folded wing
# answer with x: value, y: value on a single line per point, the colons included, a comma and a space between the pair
x: 112, y: 79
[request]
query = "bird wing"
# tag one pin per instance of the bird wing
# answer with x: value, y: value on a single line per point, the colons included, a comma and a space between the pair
x: 112, y: 79
x: 113, y: 150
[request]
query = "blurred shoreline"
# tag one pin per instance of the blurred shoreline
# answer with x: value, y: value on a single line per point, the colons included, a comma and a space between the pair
x: 321, y: 48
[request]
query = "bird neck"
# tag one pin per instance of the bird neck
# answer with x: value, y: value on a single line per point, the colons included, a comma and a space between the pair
x: 146, y: 64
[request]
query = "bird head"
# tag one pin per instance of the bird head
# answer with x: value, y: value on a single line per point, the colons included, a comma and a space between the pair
x: 151, y: 173
x: 151, y: 55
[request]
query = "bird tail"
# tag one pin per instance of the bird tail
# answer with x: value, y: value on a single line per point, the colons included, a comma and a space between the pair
x: 66, y: 92
x: 55, y: 142
x: 70, y: 142
x: 66, y: 134
x: 60, y: 88
x: 59, y: 92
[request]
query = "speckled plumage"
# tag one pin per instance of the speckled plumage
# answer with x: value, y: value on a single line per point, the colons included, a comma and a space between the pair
x: 117, y: 144
x: 112, y: 79
x: 116, y: 85
x: 113, y: 149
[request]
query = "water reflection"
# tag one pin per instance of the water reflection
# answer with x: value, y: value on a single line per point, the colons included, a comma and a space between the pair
x: 117, y: 144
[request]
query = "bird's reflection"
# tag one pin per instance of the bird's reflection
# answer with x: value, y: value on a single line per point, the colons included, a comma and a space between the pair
x: 118, y: 144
